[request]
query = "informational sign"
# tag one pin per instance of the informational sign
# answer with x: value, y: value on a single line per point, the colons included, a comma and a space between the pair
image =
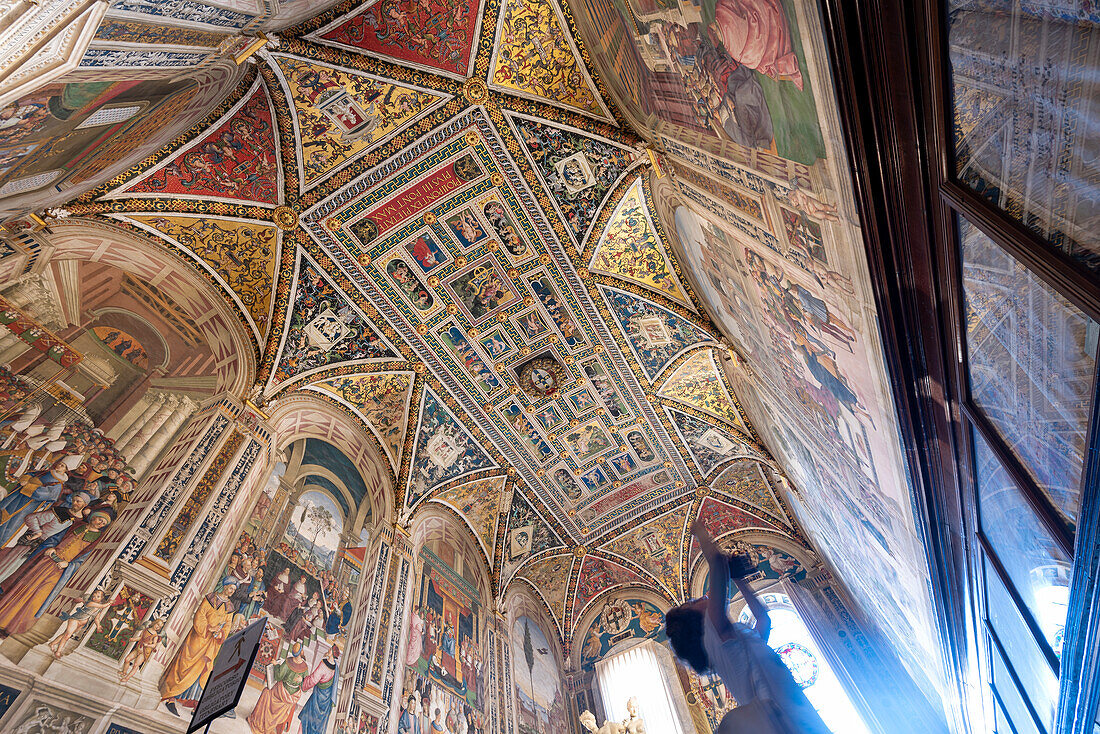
x: 226, y: 682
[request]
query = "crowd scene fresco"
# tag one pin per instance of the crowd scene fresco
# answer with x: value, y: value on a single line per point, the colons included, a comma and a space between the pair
x: 446, y: 679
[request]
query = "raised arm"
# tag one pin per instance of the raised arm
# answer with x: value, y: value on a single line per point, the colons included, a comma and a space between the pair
x: 763, y: 624
x: 718, y: 563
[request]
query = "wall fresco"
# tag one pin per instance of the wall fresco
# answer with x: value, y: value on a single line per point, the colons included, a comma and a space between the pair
x: 62, y: 132
x: 618, y: 620
x: 446, y: 677
x: 541, y: 705
x: 733, y: 74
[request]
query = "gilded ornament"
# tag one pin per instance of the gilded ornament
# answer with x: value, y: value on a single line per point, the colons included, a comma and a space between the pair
x: 452, y: 308
x: 584, y: 274
x: 514, y: 273
x: 667, y: 464
x: 580, y: 551
x: 419, y: 368
x: 496, y: 178
x: 475, y: 91
x: 528, y: 300
x: 540, y: 473
x: 471, y: 137
x: 433, y: 281
x: 616, y: 484
x: 573, y: 422
x: 429, y: 218
x: 493, y: 246
x: 597, y: 348
x: 422, y: 329
x: 679, y: 484
x: 544, y: 258
x: 473, y: 333
x: 286, y: 218
x: 460, y: 261
x: 570, y: 359
x: 542, y: 377
x: 502, y: 317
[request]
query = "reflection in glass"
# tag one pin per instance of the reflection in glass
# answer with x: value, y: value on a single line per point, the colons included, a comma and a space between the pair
x: 1032, y: 355
x: 1036, y: 565
x: 1014, y: 706
x: 1039, y: 682
x: 1027, y: 108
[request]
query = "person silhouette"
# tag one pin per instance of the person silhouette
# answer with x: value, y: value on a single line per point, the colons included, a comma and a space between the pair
x: 704, y: 637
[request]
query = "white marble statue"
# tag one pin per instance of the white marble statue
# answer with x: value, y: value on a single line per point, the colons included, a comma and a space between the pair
x: 588, y: 721
x: 633, y: 723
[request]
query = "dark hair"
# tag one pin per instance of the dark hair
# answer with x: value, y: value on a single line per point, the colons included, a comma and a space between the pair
x: 684, y: 627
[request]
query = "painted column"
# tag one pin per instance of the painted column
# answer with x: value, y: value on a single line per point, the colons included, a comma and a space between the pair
x: 153, y: 401
x: 393, y: 654
x: 140, y: 441
x: 182, y: 409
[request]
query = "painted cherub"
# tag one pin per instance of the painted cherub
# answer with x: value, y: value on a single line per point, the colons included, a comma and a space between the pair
x: 88, y: 611
x: 149, y: 637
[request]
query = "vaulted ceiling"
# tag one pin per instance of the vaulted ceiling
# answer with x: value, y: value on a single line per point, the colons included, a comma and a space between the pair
x: 435, y: 218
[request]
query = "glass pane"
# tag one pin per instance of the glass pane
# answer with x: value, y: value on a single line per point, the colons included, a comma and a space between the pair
x: 1040, y: 685
x: 1014, y: 707
x: 1027, y: 114
x: 1000, y: 723
x: 1036, y: 565
x: 1032, y: 357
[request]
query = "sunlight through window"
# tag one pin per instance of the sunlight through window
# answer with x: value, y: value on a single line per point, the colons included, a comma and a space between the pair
x: 636, y: 673
x: 791, y: 639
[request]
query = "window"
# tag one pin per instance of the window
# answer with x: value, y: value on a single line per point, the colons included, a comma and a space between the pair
x: 637, y: 673
x: 792, y: 640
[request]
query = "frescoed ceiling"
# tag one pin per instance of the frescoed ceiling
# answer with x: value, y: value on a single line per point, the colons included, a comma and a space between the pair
x: 433, y: 217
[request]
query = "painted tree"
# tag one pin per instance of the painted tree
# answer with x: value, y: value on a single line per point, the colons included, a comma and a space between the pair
x: 321, y: 520
x: 529, y: 656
